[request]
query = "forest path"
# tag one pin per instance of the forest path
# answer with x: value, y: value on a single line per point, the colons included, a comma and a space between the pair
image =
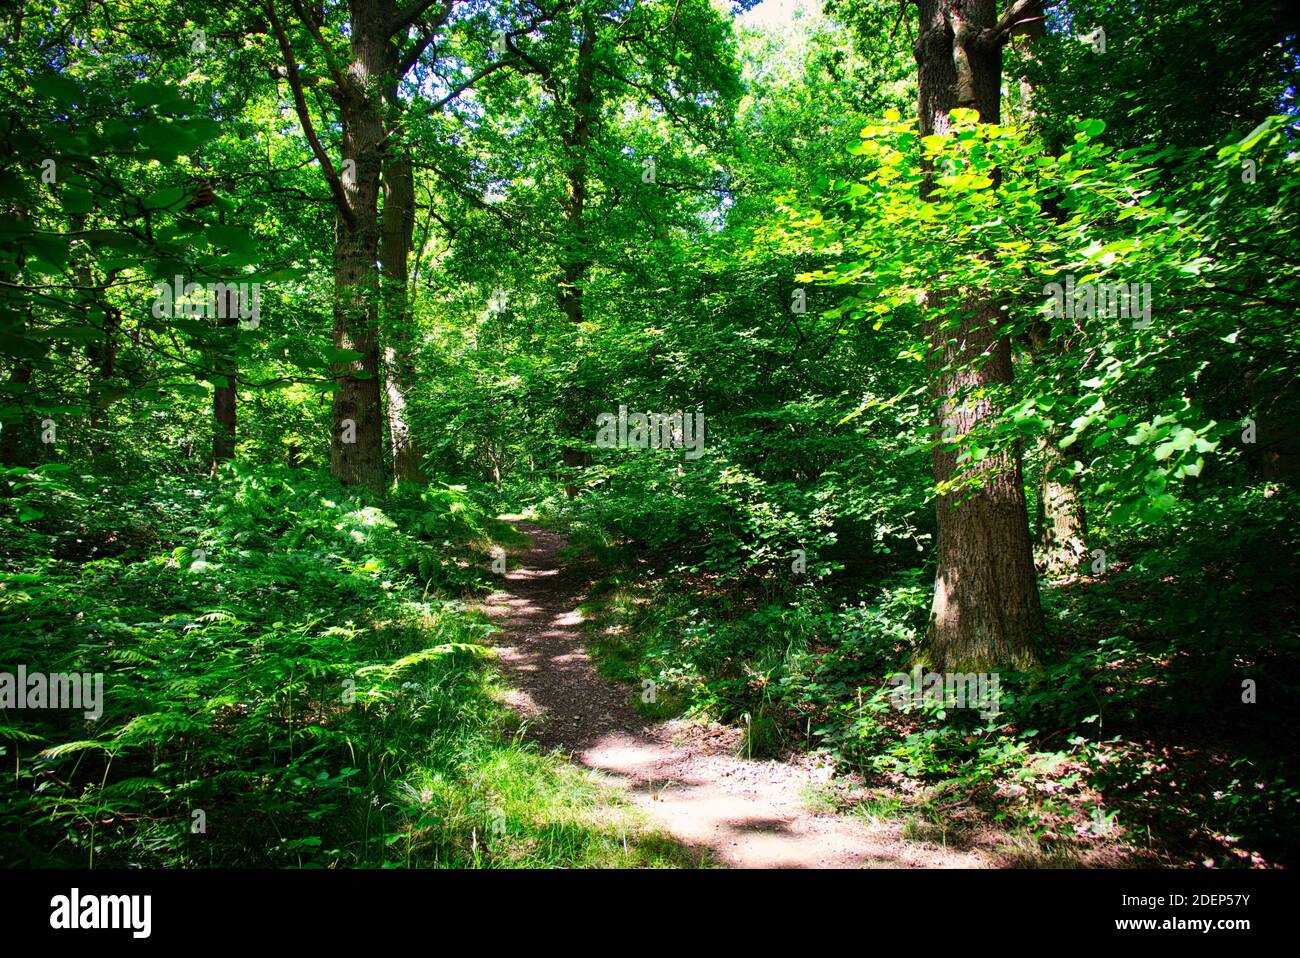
x: 746, y: 813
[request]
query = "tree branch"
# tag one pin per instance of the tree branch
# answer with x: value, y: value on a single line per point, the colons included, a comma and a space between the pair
x: 340, y: 80
x: 304, y: 117
x: 404, y: 19
x: 1017, y: 13
x: 438, y: 105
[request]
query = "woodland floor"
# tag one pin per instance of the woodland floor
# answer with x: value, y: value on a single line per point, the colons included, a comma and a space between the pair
x: 685, y: 775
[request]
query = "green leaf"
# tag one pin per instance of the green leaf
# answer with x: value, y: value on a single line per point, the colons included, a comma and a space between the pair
x: 1092, y: 128
x: 165, y: 198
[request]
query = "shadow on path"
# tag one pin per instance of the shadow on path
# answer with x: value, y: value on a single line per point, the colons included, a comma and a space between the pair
x: 748, y: 813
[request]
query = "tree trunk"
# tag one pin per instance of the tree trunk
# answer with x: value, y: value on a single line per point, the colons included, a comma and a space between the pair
x: 986, y: 609
x: 575, y: 260
x: 223, y: 425
x: 397, y: 236
x: 224, y: 397
x: 356, y: 447
x: 1063, y: 530
x: 577, y: 143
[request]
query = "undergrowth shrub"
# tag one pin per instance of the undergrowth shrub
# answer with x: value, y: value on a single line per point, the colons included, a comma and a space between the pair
x: 289, y: 678
x: 1134, y: 722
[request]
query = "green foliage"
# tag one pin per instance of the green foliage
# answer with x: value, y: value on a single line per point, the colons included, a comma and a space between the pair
x: 271, y: 659
x: 758, y: 233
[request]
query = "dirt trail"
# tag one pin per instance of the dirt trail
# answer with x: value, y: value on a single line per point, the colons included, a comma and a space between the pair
x: 747, y: 813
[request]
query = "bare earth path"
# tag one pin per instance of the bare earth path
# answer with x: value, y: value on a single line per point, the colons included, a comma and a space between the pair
x: 747, y: 813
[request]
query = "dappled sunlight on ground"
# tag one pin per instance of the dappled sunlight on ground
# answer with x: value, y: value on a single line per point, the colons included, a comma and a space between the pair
x: 748, y: 813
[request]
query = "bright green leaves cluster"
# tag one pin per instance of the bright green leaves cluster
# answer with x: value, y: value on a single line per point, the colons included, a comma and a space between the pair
x: 984, y: 213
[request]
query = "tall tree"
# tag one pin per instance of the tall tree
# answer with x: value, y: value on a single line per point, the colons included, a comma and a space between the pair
x: 397, y: 237
x: 986, y: 608
x: 375, y: 61
x: 669, y: 56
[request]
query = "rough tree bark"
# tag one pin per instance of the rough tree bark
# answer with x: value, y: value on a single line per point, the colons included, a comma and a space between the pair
x: 376, y: 31
x: 224, y: 397
x: 398, y: 233
x: 1062, y: 524
x: 356, y: 446
x: 986, y: 608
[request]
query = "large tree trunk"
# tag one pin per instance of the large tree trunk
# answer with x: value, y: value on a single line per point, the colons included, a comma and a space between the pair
x: 986, y: 609
x: 223, y: 421
x: 398, y: 234
x: 356, y: 447
x: 386, y: 40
